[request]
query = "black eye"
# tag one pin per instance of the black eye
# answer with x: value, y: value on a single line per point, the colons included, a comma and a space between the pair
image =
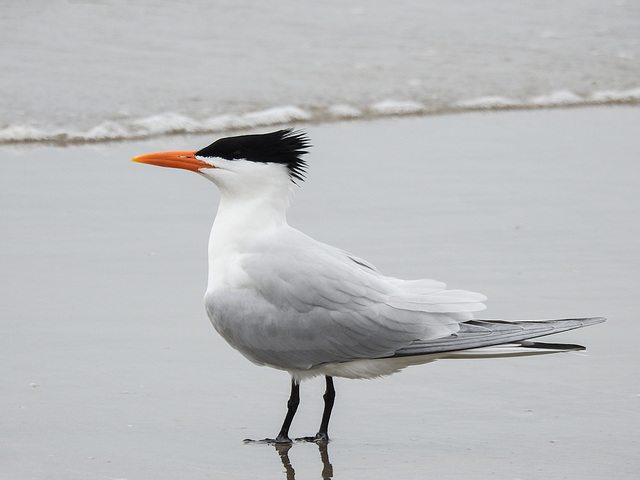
x: 237, y: 154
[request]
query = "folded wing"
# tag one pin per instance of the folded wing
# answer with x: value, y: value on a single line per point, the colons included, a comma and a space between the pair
x: 309, y: 304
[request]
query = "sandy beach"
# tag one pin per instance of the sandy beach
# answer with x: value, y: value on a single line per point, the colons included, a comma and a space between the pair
x: 111, y: 369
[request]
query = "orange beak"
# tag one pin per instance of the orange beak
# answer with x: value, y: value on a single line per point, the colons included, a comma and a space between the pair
x: 184, y: 160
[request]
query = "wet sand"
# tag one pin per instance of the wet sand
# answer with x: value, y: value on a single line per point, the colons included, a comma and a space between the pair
x: 112, y: 370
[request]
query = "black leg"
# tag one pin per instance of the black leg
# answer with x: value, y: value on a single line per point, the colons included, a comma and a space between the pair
x: 292, y: 407
x: 329, y: 396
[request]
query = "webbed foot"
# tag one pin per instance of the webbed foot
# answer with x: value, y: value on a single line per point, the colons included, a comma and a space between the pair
x: 279, y: 440
x: 318, y: 438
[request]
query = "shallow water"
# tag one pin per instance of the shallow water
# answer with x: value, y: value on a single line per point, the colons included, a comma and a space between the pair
x: 113, y: 371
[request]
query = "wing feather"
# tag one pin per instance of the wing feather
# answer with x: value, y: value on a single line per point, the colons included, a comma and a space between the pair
x: 308, y: 303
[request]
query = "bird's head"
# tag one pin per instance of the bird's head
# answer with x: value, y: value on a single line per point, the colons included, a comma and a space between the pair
x: 243, y: 163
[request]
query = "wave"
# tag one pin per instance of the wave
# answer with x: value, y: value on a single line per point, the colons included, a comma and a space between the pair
x: 175, y: 124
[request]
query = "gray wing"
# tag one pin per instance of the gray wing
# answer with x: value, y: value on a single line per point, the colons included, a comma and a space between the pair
x: 485, y: 333
x: 309, y: 303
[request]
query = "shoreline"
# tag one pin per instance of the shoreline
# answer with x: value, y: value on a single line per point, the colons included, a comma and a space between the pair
x: 174, y: 125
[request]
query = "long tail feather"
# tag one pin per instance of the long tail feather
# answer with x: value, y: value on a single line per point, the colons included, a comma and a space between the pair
x: 512, y: 336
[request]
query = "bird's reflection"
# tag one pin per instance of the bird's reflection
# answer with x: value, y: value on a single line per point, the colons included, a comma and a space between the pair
x: 283, y: 452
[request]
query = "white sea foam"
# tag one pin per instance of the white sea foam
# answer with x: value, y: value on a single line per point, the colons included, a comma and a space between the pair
x: 608, y: 96
x: 394, y: 107
x: 173, y: 123
x: 489, y: 103
x: 274, y: 115
x: 560, y: 97
x: 21, y: 133
x: 344, y: 111
x: 166, y: 123
x: 271, y: 116
x: 105, y: 131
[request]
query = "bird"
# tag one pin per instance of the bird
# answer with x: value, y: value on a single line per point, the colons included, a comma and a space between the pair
x: 287, y: 301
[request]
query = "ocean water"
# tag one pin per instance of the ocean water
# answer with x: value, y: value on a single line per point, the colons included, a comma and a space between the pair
x: 87, y: 71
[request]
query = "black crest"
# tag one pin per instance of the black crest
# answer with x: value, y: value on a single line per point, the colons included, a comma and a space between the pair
x: 284, y: 147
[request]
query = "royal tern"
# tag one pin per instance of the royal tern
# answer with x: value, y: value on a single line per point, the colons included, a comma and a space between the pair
x: 292, y: 303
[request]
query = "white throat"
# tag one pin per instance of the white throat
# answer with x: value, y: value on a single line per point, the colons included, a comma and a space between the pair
x: 251, y: 208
